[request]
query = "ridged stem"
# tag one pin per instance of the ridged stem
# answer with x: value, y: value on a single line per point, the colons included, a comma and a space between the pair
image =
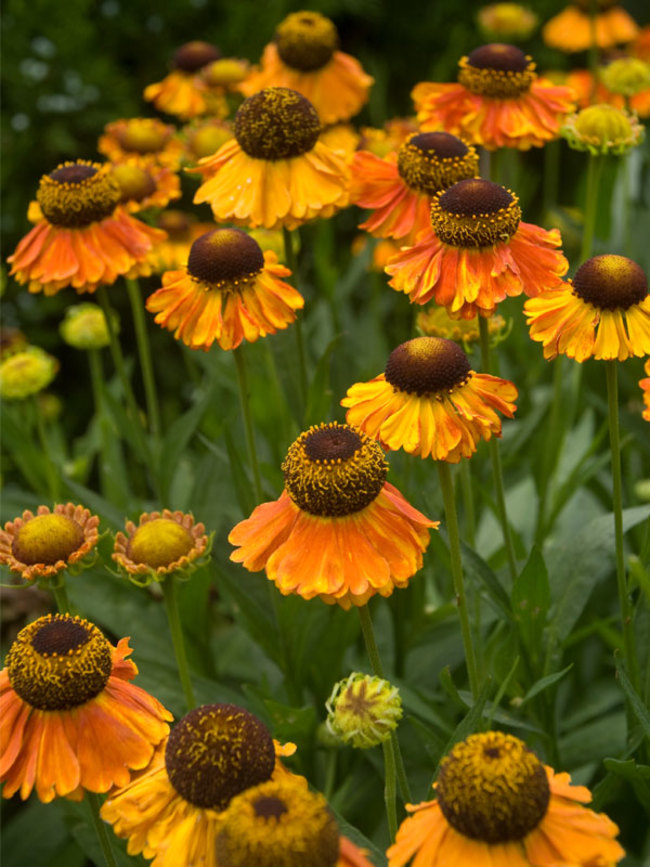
x: 242, y: 382
x: 101, y: 830
x: 144, y: 353
x: 170, y: 597
x: 292, y: 265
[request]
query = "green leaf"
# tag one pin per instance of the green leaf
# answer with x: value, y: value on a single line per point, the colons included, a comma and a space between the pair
x: 530, y: 599
x: 641, y: 712
x: 471, y: 722
x: 178, y: 435
x: 477, y: 567
x: 319, y: 397
x: 637, y: 775
x: 543, y: 684
x: 450, y: 688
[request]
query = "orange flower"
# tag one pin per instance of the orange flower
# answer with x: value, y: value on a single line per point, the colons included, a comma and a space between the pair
x: 44, y: 544
x: 275, y: 172
x: 430, y: 402
x: 645, y: 386
x: 161, y: 543
x: 497, y: 804
x: 230, y: 292
x: 399, y: 188
x: 571, y: 29
x: 145, y: 184
x: 84, y: 238
x: 173, y: 811
x: 604, y: 312
x: 477, y: 253
x: 69, y: 718
x: 498, y: 102
x: 304, y: 57
x: 282, y: 822
x: 142, y: 137
x: 181, y: 92
x: 581, y: 81
x: 339, y: 530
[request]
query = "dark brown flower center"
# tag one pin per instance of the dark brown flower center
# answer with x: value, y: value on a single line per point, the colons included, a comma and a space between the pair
x: 59, y: 662
x: 427, y: 366
x: 225, y: 259
x: 306, y: 40
x: 334, y: 470
x: 77, y: 194
x: 267, y: 807
x: 194, y: 55
x: 475, y: 213
x: 432, y: 161
x: 610, y: 282
x: 492, y: 788
x: 498, y: 70
x: 276, y: 124
x: 217, y: 751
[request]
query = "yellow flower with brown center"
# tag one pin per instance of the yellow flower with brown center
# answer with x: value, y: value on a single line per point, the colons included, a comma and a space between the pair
x: 145, y: 184
x: 84, y: 237
x: 229, y: 292
x: 603, y: 129
x: 497, y: 804
x: 363, y: 710
x: 275, y: 172
x: 499, y: 101
x: 141, y: 137
x: 181, y: 93
x: 43, y: 544
x: 435, y: 321
x: 645, y: 387
x: 281, y: 823
x: 173, y: 811
x: 304, y: 56
x: 339, y: 531
x: 506, y: 21
x: 398, y: 189
x: 161, y: 543
x: 477, y: 252
x: 604, y: 312
x: 84, y: 327
x: 70, y: 719
x: 430, y: 402
x: 571, y: 29
x: 26, y: 372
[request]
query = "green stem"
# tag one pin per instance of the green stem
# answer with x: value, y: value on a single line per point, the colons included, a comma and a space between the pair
x: 495, y: 458
x: 170, y: 596
x: 242, y: 382
x: 451, y: 517
x: 292, y: 265
x: 394, y: 764
x: 390, y: 787
x: 50, y: 469
x: 551, y: 179
x: 61, y: 596
x: 554, y: 442
x: 144, y: 352
x: 100, y: 829
x: 330, y: 773
x: 594, y: 171
x: 629, y: 648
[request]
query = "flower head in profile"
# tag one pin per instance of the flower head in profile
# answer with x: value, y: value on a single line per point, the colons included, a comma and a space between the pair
x: 281, y: 822
x: 499, y: 101
x: 304, y: 56
x: 229, y: 292
x: 339, y: 531
x: 430, y: 402
x: 84, y: 327
x: 70, y: 718
x: 181, y: 92
x: 398, y: 189
x: 173, y: 811
x: 145, y: 184
x: 144, y: 137
x: 182, y: 228
x: 645, y: 387
x: 204, y: 137
x: 435, y: 321
x: 506, y: 21
x: 83, y: 237
x: 571, y: 29
x: 26, y: 372
x: 497, y: 804
x: 603, y: 129
x: 604, y: 312
x: 363, y: 710
x: 275, y: 172
x: 626, y: 76
x: 43, y: 544
x: 161, y: 543
x: 477, y: 252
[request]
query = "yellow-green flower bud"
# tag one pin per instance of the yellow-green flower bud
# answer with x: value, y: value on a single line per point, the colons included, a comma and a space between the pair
x: 84, y: 327
x: 627, y: 75
x: 26, y: 373
x: 363, y: 710
x: 602, y: 129
x: 506, y: 21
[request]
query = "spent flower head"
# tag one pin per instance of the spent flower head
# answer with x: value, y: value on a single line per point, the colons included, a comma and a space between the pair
x: 363, y: 710
x: 84, y: 327
x: 603, y: 129
x: 26, y: 373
